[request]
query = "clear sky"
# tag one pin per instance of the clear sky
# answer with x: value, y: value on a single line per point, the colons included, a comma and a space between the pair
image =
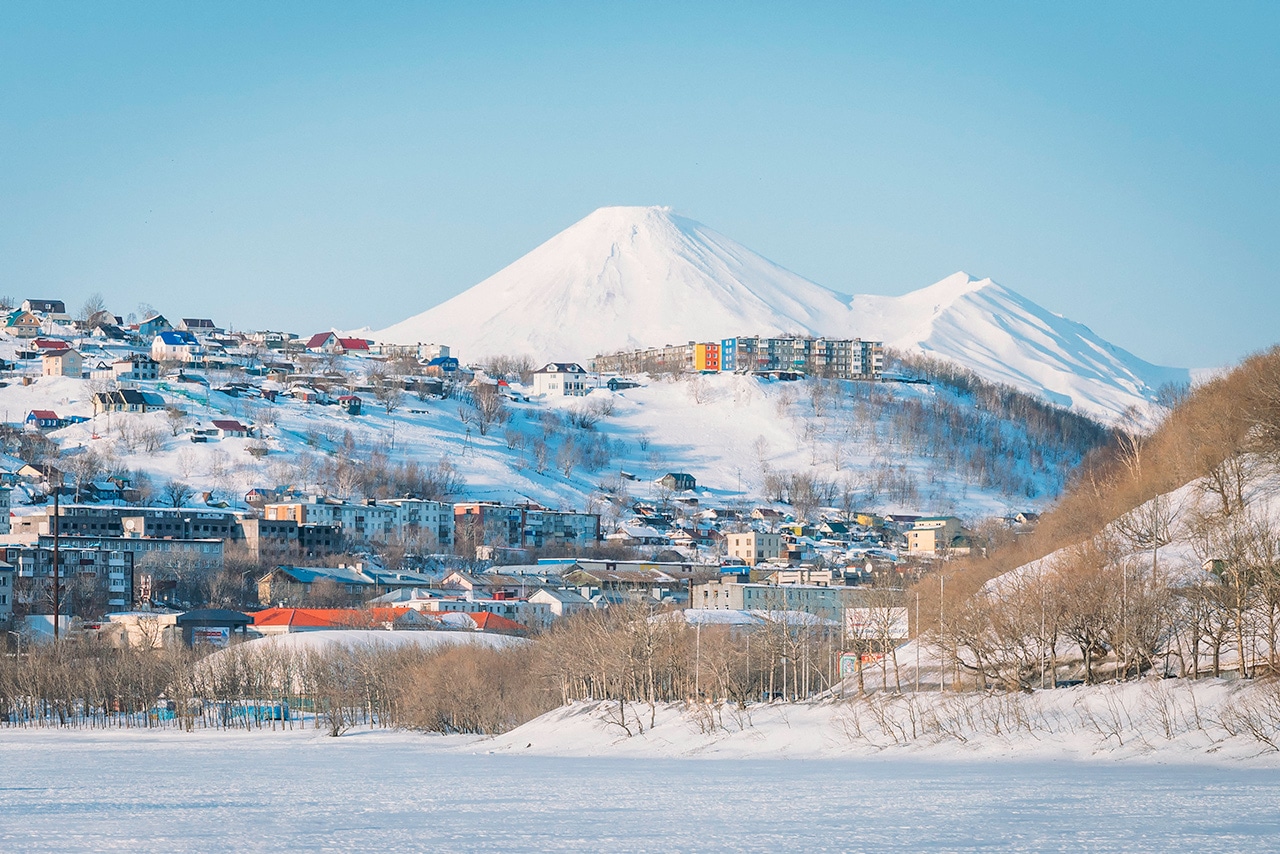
x: 309, y: 165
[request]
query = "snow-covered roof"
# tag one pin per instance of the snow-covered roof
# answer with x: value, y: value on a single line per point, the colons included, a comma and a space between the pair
x: 177, y: 338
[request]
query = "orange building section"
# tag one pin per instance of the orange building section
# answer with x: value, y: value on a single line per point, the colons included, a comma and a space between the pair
x: 706, y: 357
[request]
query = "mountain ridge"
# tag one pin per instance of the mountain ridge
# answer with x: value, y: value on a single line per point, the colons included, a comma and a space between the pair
x: 625, y: 277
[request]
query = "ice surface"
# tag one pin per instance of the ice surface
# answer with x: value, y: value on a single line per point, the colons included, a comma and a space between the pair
x: 378, y: 791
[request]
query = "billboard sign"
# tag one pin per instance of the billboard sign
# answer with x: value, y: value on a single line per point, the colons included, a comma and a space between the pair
x: 212, y: 635
x: 877, y: 623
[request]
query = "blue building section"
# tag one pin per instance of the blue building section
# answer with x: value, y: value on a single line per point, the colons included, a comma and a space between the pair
x: 729, y: 354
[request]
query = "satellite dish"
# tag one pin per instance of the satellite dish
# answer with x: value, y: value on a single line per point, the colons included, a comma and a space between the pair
x: 129, y: 524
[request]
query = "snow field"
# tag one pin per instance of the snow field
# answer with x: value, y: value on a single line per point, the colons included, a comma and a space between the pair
x: 1162, y: 721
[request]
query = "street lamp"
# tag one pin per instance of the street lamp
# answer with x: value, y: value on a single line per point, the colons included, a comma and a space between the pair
x: 17, y: 637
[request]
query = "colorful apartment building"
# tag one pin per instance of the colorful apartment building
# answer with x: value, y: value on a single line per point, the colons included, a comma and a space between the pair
x: 706, y: 357
x: 835, y: 358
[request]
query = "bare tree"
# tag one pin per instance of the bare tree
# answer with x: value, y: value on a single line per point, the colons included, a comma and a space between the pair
x: 387, y: 389
x: 186, y: 460
x: 177, y: 493
x: 510, y: 367
x: 84, y: 467
x: 568, y: 456
x: 177, y: 419
x: 94, y: 305
x: 1150, y: 527
x: 490, y: 407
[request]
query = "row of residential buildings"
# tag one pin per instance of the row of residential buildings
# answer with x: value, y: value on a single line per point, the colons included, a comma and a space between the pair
x: 836, y: 358
x: 123, y: 554
x: 316, y: 525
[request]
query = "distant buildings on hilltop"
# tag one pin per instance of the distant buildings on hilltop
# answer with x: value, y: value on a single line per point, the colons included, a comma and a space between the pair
x: 834, y: 358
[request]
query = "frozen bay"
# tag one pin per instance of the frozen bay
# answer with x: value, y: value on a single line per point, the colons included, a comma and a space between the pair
x: 218, y: 791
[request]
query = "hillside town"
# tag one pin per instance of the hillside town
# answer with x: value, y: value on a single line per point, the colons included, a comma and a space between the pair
x: 91, y: 549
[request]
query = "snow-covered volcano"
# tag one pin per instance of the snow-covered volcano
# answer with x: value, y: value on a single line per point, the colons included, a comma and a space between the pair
x: 625, y: 277
x: 628, y: 277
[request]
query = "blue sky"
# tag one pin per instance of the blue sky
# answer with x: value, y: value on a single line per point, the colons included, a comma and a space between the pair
x: 308, y: 165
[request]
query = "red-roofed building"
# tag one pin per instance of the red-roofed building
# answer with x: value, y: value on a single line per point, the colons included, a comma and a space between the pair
x: 48, y: 345
x: 277, y: 621
x: 496, y: 624
x: 45, y: 419
x: 329, y: 342
x: 228, y: 429
x: 320, y: 340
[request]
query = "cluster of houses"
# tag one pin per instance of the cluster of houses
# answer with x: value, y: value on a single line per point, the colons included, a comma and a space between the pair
x: 128, y: 556
x: 104, y: 348
x: 515, y: 600
x: 767, y: 536
x: 717, y: 559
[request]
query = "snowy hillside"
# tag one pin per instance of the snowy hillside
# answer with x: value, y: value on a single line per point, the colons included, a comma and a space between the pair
x: 869, y: 445
x: 1005, y: 337
x: 642, y: 276
x: 1191, y: 527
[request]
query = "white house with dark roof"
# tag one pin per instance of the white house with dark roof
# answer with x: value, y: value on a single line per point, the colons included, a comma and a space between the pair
x: 562, y: 379
x: 45, y: 306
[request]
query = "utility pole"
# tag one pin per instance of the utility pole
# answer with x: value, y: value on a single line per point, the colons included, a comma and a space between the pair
x: 942, y: 598
x: 1044, y: 642
x: 697, y: 661
x: 919, y: 637
x: 57, y: 593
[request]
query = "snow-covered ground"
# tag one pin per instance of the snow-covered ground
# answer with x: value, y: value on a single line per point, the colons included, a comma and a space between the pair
x: 138, y: 790
x: 1154, y: 721
x: 301, y: 642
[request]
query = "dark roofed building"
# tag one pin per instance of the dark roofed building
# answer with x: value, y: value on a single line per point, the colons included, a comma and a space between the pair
x: 678, y: 481
x: 561, y: 379
x: 47, y: 306
x: 213, y: 626
x: 197, y: 324
x: 126, y: 400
